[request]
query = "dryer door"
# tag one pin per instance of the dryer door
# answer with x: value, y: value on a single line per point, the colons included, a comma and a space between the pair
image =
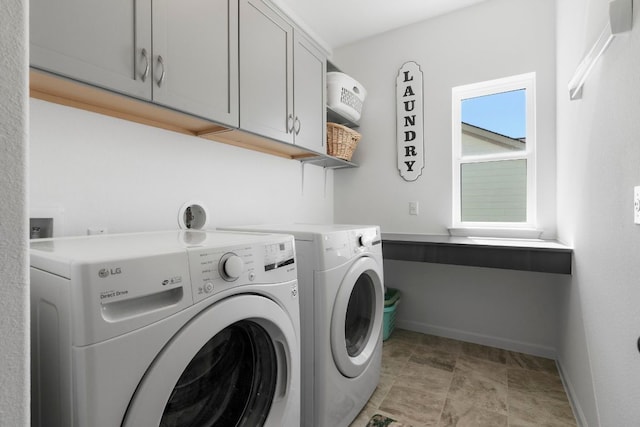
x: 356, y: 322
x: 234, y: 364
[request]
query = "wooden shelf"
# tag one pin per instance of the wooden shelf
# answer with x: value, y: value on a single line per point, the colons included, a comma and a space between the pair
x: 250, y: 141
x: 71, y: 93
x: 64, y: 91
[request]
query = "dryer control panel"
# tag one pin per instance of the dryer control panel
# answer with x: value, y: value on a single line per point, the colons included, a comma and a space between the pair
x: 341, y: 246
x: 365, y: 240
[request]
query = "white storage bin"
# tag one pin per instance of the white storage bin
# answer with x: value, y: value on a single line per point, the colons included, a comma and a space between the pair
x: 345, y: 95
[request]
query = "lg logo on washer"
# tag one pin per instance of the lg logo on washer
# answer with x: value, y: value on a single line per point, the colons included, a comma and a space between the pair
x: 105, y: 272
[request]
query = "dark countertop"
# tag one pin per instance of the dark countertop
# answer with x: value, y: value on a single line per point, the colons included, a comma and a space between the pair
x: 539, y: 255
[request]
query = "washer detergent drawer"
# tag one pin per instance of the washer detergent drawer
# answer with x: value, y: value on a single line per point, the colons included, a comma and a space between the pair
x: 115, y: 297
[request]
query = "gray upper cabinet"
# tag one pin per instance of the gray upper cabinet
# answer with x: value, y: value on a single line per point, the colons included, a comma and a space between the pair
x: 188, y: 62
x: 195, y: 51
x: 266, y: 69
x: 282, y: 79
x: 94, y: 41
x: 235, y: 71
x: 309, y: 95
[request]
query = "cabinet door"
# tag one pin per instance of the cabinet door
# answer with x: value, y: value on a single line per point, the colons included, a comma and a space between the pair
x: 195, y: 57
x: 309, y: 66
x: 93, y: 41
x: 266, y: 93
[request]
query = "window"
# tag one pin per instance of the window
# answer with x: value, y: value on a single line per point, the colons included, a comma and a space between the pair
x: 494, y: 154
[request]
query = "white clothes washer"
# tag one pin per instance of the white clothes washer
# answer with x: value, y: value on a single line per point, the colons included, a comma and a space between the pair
x: 341, y: 281
x: 180, y: 328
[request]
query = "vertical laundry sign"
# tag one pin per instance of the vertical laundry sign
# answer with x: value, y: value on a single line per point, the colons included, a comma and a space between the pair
x: 409, y: 121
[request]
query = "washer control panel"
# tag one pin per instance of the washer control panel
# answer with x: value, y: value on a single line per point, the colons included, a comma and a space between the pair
x: 278, y: 255
x: 215, y: 270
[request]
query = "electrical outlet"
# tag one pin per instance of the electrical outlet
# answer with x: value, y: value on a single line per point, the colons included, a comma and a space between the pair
x: 636, y: 205
x: 97, y: 230
x: 413, y: 208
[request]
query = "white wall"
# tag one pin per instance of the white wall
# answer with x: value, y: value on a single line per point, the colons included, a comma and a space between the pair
x: 14, y: 289
x: 514, y: 310
x: 598, y: 158
x: 106, y: 172
x: 493, y: 39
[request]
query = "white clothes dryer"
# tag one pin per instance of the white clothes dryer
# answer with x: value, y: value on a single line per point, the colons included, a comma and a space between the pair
x: 341, y: 281
x: 181, y: 328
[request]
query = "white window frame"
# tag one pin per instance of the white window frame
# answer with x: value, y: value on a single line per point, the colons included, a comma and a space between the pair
x: 527, y: 228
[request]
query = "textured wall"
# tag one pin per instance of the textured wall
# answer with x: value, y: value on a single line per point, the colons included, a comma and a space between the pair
x: 14, y: 324
x: 598, y: 158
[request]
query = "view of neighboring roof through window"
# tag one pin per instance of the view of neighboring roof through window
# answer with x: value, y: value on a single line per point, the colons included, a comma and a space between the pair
x: 494, y: 123
x: 502, y: 113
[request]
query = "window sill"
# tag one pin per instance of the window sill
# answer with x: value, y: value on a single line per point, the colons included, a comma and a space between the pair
x: 546, y: 256
x: 502, y: 232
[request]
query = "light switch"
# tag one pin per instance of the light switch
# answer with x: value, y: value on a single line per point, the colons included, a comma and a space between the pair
x: 636, y: 205
x: 413, y: 208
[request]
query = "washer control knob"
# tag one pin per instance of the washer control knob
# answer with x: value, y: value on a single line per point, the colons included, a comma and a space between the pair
x: 230, y: 267
x: 208, y: 287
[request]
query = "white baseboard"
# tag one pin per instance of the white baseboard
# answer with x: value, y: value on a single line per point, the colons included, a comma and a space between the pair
x: 507, y: 344
x: 575, y: 404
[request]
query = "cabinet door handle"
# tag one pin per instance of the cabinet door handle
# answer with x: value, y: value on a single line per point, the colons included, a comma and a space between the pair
x: 290, y: 123
x: 145, y: 73
x: 296, y: 125
x: 161, y: 62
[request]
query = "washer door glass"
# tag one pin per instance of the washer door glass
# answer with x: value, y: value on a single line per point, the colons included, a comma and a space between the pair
x: 233, y: 364
x: 230, y: 382
x: 356, y: 322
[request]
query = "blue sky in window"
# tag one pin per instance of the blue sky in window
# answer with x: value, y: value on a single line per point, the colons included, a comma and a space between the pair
x: 503, y: 113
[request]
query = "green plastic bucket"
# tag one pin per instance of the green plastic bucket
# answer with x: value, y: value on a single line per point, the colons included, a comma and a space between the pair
x: 391, y: 299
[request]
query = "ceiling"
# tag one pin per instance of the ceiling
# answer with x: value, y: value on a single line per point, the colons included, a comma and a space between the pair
x: 339, y: 22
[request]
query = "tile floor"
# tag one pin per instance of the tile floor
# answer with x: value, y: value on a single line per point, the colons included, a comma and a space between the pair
x: 434, y: 381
